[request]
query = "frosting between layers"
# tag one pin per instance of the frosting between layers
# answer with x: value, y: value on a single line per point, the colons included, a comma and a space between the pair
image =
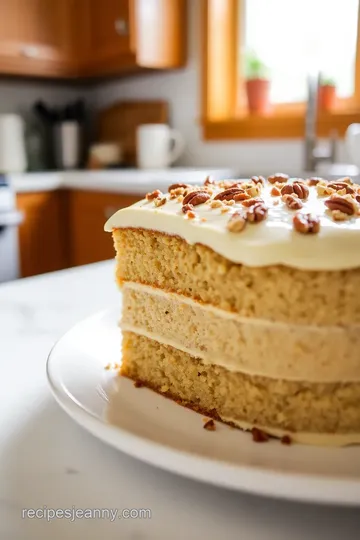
x: 270, y: 242
x: 261, y: 348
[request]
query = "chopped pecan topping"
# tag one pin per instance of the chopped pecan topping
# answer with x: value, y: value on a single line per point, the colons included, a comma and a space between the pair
x: 297, y: 188
x: 339, y: 186
x: 177, y: 186
x: 278, y: 177
x: 257, y: 213
x: 228, y: 194
x: 275, y: 192
x: 323, y: 190
x: 154, y: 195
x: 292, y: 202
x: 215, y: 204
x: 187, y: 208
x: 190, y: 214
x: 237, y: 221
x: 251, y: 202
x: 306, y: 223
x: 314, y: 180
x: 208, y: 181
x: 258, y: 180
x: 210, y: 425
x: 196, y: 197
x: 241, y: 197
x: 254, y: 191
x: 345, y: 204
x: 180, y: 198
x: 224, y: 209
x: 259, y: 436
x: 286, y: 439
x: 159, y: 201
x: 357, y: 197
x: 337, y: 215
x: 346, y: 180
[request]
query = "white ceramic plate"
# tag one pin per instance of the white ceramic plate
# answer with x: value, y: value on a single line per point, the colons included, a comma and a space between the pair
x: 158, y: 431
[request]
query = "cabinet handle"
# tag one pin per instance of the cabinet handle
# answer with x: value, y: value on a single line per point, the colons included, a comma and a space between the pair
x: 29, y: 51
x: 121, y: 27
x: 109, y: 211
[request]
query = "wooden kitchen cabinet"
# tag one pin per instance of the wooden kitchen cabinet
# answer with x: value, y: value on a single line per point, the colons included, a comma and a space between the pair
x: 36, y: 37
x: 43, y: 235
x: 131, y: 35
x: 108, y: 37
x: 88, y: 212
x: 89, y: 38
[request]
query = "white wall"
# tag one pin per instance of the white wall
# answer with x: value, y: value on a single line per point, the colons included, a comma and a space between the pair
x: 18, y: 95
x: 182, y: 90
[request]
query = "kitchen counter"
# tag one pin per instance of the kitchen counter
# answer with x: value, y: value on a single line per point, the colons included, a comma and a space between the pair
x: 46, y: 459
x: 126, y: 181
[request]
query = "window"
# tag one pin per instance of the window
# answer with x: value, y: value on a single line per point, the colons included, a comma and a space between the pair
x: 292, y: 40
x: 303, y: 36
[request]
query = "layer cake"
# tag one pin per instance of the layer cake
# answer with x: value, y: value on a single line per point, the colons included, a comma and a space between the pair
x: 241, y: 300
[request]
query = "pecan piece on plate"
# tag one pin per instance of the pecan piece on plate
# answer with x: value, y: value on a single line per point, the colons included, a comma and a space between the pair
x: 306, y: 223
x: 259, y: 436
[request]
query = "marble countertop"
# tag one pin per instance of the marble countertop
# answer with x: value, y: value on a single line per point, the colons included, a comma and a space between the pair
x: 46, y: 459
x: 127, y: 181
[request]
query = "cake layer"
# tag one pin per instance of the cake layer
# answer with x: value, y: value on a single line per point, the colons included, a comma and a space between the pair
x: 307, y: 411
x: 275, y: 293
x: 272, y: 239
x: 253, y: 346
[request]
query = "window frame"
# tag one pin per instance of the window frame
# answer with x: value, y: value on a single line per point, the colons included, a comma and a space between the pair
x: 220, y: 85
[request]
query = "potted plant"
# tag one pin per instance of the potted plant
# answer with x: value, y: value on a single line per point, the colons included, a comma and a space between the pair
x: 257, y: 85
x: 327, y: 94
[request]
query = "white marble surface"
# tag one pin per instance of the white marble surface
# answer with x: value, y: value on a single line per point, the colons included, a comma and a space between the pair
x: 45, y: 459
x: 127, y: 181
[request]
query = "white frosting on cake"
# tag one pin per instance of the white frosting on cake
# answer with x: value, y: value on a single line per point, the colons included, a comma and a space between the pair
x: 269, y: 242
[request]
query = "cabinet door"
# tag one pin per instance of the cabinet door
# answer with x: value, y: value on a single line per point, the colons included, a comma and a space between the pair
x: 35, y: 37
x: 109, y: 36
x: 88, y: 214
x: 43, y: 233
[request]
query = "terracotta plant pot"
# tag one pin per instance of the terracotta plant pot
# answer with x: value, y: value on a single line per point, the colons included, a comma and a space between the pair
x: 258, y: 92
x: 327, y: 97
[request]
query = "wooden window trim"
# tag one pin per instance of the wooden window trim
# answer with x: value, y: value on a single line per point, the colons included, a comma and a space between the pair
x: 220, y: 117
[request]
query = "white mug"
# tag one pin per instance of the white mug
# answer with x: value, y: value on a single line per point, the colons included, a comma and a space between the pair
x: 158, y: 146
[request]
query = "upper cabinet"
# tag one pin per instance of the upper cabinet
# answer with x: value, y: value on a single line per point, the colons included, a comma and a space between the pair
x: 108, y: 35
x: 86, y: 38
x: 36, y: 38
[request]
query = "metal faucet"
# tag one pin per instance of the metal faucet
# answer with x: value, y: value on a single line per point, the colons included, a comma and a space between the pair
x: 315, y: 153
